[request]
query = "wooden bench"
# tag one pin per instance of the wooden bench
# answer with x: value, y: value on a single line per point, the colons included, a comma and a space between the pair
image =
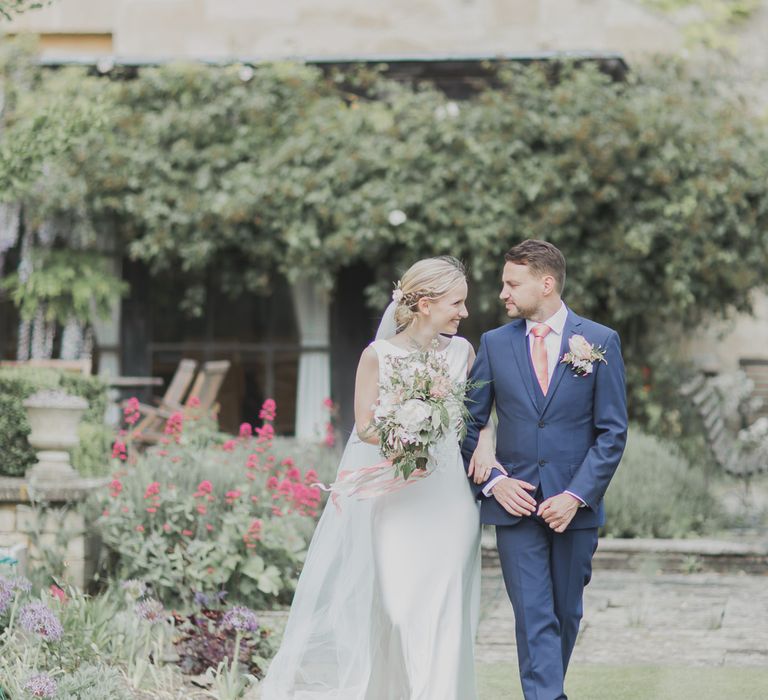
x: 725, y: 447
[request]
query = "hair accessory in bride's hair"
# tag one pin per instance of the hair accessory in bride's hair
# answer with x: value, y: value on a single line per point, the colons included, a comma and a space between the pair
x: 397, y: 293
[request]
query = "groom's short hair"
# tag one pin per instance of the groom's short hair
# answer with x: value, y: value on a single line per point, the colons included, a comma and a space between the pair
x: 543, y: 258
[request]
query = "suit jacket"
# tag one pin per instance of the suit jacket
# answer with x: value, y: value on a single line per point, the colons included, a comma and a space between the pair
x: 572, y: 439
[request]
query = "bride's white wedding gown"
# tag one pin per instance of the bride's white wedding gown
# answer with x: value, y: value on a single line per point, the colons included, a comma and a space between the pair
x: 387, y: 604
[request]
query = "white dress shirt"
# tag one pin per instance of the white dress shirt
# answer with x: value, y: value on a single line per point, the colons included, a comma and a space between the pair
x: 552, y: 341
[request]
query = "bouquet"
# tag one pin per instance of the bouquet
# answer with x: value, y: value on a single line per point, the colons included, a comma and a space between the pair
x: 418, y: 406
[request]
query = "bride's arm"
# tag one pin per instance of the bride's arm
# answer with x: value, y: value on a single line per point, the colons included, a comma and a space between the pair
x: 366, y: 394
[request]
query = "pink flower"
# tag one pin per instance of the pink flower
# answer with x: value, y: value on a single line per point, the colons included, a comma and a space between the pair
x: 152, y: 490
x: 203, y: 488
x: 125, y: 509
x: 119, y: 450
x: 268, y: 409
x: 209, y: 527
x: 186, y: 533
x: 266, y: 432
x: 139, y: 528
x: 293, y: 474
x: 115, y: 487
x: 105, y: 513
x: 276, y: 511
x: 175, y: 425
x: 57, y: 592
x: 287, y: 462
x: 229, y: 445
x: 151, y: 509
x: 232, y: 496
x: 250, y: 476
x: 246, y: 430
x: 328, y: 403
x: 311, y: 476
x: 202, y: 509
x: 166, y: 527
x: 132, y: 412
x: 193, y: 402
x: 272, y: 482
x: 330, y: 436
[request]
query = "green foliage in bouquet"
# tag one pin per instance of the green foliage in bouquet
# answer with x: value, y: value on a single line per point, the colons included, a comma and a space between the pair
x: 16, y: 384
x: 203, y: 513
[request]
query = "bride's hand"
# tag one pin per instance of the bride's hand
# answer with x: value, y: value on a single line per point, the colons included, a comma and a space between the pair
x: 484, y: 458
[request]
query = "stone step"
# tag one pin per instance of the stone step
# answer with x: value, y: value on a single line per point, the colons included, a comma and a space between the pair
x: 665, y: 556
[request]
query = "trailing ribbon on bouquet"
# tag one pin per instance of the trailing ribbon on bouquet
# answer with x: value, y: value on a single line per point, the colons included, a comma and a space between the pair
x: 369, y: 482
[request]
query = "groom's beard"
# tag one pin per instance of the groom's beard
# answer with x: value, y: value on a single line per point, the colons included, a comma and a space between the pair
x: 525, y: 312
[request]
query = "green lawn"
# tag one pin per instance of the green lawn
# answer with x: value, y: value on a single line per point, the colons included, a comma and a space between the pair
x: 500, y: 682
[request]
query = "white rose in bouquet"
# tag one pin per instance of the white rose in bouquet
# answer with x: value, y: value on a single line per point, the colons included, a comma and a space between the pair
x: 413, y: 415
x: 580, y: 347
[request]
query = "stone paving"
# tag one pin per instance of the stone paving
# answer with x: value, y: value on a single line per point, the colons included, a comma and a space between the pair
x: 636, y: 618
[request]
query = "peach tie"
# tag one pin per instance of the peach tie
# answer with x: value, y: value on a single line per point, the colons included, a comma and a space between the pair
x: 539, y: 355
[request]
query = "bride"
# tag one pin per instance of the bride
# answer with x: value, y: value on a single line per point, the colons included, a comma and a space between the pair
x: 387, y: 604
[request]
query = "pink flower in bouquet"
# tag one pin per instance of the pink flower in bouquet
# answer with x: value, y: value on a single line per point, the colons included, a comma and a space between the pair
x: 268, y: 410
x: 441, y: 387
x: 246, y: 430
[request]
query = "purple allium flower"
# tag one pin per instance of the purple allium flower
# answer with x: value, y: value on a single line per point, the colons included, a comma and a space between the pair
x: 20, y: 584
x: 41, y: 685
x: 240, y: 618
x: 134, y: 588
x: 202, y: 600
x: 151, y: 611
x: 6, y: 597
x: 37, y: 617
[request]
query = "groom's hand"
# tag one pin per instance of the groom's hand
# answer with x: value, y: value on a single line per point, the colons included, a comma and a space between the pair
x: 558, y: 511
x: 512, y: 495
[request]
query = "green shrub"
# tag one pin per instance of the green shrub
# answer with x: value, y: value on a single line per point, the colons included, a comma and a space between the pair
x: 657, y: 493
x: 207, y: 512
x: 16, y: 384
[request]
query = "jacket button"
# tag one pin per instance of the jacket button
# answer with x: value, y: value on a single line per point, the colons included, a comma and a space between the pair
x: 542, y: 462
x: 541, y: 423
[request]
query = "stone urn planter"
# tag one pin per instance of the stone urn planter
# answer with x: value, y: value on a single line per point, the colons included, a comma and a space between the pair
x: 54, y: 417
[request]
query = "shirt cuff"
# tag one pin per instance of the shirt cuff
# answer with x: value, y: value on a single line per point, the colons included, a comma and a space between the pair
x: 489, y: 486
x: 579, y: 498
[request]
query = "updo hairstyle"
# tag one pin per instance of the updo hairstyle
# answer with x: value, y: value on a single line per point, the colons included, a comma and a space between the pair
x: 431, y: 279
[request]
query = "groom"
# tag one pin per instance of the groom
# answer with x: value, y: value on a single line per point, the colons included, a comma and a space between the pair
x: 558, y: 384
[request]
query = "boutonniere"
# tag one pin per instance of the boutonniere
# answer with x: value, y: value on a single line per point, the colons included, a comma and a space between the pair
x: 582, y: 355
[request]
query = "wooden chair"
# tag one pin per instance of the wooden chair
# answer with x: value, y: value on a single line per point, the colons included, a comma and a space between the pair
x: 723, y: 443
x: 83, y: 366
x: 151, y: 418
x: 203, y: 394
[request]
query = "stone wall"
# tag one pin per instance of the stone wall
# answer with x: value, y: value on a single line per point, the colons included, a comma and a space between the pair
x: 58, y: 528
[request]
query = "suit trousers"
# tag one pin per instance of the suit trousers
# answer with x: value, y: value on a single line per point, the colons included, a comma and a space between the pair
x: 545, y: 574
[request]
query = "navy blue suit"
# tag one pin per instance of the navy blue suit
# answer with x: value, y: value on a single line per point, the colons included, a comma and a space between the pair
x: 571, y: 439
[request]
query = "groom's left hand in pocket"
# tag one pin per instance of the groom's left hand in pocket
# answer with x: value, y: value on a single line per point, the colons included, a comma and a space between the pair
x: 558, y: 511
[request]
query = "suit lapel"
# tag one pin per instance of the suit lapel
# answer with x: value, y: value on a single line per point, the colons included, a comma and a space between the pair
x: 572, y: 324
x: 520, y: 352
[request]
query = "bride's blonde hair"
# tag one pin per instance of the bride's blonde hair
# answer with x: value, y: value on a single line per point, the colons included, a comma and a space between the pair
x: 431, y: 279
